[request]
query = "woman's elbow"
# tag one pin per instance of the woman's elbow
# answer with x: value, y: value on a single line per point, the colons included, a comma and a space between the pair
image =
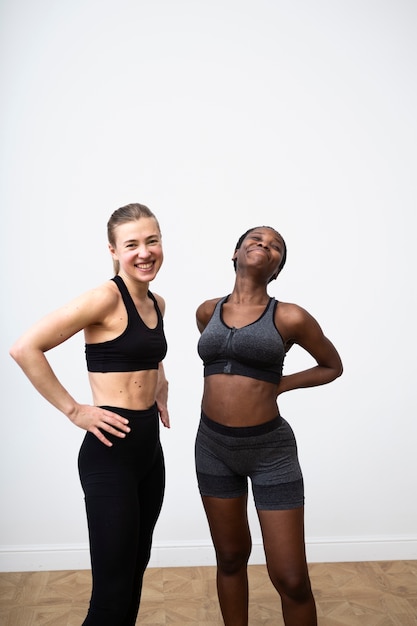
x: 339, y: 370
x: 18, y: 352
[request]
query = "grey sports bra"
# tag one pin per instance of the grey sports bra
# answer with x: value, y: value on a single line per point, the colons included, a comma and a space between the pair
x: 256, y: 350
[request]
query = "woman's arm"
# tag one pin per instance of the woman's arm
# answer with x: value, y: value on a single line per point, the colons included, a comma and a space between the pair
x: 204, y: 313
x: 52, y: 330
x: 162, y: 396
x: 299, y: 327
x: 161, y: 392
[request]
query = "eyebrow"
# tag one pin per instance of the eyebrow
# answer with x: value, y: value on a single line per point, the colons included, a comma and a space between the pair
x: 146, y: 238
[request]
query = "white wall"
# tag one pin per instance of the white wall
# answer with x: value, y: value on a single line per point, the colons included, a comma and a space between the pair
x: 220, y: 116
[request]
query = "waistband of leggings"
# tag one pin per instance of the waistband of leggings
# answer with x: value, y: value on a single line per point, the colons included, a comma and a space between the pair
x: 131, y: 413
x: 242, y: 431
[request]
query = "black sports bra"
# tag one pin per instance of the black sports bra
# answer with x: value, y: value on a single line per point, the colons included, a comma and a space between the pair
x: 137, y: 348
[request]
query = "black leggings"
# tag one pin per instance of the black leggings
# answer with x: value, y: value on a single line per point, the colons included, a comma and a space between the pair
x: 124, y: 488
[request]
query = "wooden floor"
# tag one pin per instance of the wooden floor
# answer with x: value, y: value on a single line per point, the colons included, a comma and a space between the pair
x: 381, y: 593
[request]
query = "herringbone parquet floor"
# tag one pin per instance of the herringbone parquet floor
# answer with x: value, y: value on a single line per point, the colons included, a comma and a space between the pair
x: 382, y: 593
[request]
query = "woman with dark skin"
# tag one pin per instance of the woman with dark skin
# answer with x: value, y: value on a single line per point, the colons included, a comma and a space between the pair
x: 121, y: 462
x: 242, y: 434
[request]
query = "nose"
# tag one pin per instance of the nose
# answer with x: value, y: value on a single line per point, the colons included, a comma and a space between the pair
x: 262, y: 244
x: 143, y: 251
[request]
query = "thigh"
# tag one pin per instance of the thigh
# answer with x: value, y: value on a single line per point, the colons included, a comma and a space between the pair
x: 283, y: 537
x: 228, y: 521
x: 277, y: 480
x: 150, y: 495
x: 216, y: 473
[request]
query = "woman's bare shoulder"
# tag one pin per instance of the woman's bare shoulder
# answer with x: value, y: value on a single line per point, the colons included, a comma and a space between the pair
x: 101, y: 298
x: 205, y: 311
x: 88, y: 309
x: 161, y: 302
x: 293, y: 321
x: 207, y: 307
x: 291, y: 311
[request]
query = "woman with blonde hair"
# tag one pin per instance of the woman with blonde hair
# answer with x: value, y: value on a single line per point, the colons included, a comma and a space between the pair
x: 121, y: 462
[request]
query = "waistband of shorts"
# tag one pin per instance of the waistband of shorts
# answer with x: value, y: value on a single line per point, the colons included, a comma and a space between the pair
x: 242, y: 431
x: 131, y: 413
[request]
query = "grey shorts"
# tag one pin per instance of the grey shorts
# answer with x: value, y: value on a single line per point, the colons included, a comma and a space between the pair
x: 267, y: 454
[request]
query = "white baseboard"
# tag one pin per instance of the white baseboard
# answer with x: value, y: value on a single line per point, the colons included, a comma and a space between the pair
x: 32, y: 558
x: 344, y: 549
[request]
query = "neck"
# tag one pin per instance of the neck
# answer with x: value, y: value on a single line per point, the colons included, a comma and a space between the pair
x: 245, y: 292
x: 136, y: 289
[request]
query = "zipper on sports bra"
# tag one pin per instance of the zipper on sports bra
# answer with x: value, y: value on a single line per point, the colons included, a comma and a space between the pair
x: 228, y: 367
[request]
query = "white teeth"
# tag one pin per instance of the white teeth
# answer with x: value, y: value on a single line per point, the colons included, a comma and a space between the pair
x: 144, y: 266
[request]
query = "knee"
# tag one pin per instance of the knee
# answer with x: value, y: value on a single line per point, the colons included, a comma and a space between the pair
x: 293, y: 586
x: 230, y: 563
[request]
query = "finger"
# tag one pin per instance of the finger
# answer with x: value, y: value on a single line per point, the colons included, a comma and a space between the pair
x: 165, y: 419
x: 101, y: 437
x: 98, y: 432
x: 114, y: 430
x: 117, y: 421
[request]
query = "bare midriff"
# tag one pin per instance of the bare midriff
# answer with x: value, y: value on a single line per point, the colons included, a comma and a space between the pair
x: 128, y: 390
x: 234, y: 400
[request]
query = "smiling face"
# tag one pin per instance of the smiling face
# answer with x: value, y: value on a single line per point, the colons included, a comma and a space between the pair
x: 261, y: 247
x: 138, y: 248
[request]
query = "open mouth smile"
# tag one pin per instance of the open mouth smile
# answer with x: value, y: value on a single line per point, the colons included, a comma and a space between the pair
x: 144, y: 266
